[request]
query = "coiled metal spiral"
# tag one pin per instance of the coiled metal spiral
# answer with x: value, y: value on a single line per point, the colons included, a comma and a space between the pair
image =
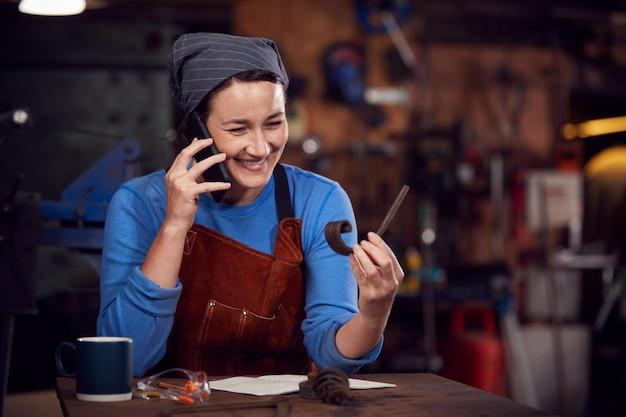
x: 331, y: 386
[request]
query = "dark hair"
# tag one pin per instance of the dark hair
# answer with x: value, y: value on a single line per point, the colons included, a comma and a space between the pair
x: 204, y: 107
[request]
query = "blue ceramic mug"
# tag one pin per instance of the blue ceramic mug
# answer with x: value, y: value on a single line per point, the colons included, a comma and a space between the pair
x: 104, y: 367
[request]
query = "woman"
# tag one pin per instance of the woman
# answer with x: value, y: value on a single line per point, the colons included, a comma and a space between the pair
x: 242, y: 285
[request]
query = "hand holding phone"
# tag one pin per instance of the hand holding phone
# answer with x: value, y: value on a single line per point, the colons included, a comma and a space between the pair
x: 196, y: 128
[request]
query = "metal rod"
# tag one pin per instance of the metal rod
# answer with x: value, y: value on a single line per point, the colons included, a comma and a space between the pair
x: 393, y: 210
x: 399, y: 40
x: 6, y: 341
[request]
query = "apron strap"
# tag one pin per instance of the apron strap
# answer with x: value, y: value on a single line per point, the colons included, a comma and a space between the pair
x: 281, y: 193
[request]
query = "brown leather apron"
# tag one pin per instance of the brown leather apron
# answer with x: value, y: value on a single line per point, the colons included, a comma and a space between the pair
x: 241, y: 309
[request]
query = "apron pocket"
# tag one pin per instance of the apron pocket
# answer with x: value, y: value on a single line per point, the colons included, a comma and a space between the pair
x: 226, y: 328
x: 281, y: 334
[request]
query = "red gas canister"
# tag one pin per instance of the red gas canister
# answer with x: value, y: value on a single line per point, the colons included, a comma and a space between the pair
x: 474, y: 357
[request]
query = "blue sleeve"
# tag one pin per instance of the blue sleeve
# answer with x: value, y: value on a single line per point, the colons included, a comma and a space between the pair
x: 131, y: 304
x: 331, y: 289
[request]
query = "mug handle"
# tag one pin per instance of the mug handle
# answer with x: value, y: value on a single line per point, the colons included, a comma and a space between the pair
x: 60, y: 366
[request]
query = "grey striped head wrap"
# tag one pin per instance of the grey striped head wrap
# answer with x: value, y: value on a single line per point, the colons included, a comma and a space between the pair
x: 200, y: 61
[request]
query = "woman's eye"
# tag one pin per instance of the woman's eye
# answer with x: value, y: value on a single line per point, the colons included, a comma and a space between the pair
x: 275, y: 124
x: 237, y: 131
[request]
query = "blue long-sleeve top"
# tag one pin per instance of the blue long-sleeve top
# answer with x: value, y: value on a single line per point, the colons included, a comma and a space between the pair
x: 134, y: 306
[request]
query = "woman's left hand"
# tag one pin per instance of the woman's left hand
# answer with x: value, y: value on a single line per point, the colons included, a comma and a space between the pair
x: 378, y: 275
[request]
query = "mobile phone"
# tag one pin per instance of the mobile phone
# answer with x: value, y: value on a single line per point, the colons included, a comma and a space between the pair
x: 196, y: 128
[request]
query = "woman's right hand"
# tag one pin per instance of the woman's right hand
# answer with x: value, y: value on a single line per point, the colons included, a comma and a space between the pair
x: 184, y: 186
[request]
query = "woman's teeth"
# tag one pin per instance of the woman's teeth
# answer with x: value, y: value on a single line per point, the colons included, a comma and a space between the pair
x: 252, y: 164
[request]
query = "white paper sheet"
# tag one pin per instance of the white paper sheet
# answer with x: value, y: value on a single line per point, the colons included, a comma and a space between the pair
x: 279, y: 384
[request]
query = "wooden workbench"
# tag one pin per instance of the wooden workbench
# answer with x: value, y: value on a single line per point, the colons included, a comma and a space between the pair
x: 416, y: 395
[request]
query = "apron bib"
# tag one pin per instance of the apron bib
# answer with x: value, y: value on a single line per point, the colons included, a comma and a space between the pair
x: 241, y: 309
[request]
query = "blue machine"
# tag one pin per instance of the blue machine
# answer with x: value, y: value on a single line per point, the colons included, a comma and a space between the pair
x: 77, y: 221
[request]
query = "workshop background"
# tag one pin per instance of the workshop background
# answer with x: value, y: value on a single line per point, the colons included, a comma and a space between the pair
x: 506, y: 117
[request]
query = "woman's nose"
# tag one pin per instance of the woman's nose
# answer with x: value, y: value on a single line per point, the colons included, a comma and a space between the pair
x: 259, y: 146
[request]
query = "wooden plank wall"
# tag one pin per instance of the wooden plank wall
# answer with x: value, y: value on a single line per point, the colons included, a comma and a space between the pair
x: 461, y: 84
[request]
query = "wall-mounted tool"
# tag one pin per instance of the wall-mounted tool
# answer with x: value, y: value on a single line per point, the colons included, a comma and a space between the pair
x: 369, y: 13
x: 344, y: 71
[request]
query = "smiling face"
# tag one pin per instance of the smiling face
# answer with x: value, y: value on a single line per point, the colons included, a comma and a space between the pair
x: 248, y: 123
